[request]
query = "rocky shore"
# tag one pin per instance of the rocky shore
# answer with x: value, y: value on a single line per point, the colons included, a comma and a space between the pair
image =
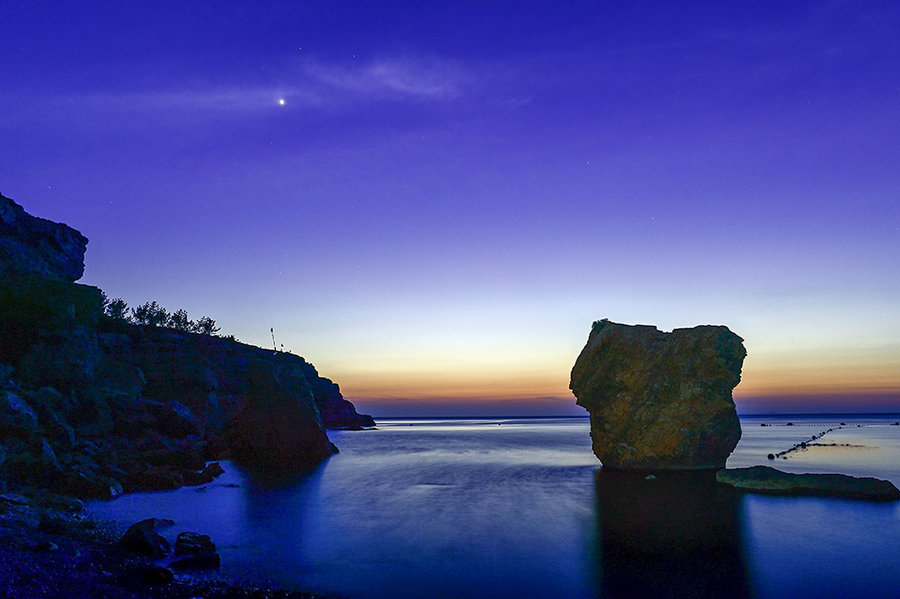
x: 49, y: 549
x: 93, y: 406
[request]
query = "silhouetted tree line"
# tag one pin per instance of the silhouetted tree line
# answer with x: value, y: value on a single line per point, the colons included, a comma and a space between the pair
x: 152, y: 314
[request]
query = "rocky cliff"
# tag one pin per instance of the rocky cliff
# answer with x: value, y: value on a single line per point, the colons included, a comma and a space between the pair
x: 92, y: 406
x: 34, y: 245
x: 660, y: 400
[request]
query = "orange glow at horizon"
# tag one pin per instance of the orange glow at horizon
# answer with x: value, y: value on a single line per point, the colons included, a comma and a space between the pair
x: 767, y: 378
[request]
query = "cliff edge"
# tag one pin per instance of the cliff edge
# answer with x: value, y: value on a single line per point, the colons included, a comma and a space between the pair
x: 91, y: 406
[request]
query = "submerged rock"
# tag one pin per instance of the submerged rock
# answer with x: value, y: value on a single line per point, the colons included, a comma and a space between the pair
x: 660, y: 400
x: 763, y: 479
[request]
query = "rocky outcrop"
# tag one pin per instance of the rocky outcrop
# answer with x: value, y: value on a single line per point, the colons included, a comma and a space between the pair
x: 33, y: 245
x: 93, y: 407
x: 769, y: 481
x: 660, y: 400
x: 210, y: 375
x: 278, y: 426
x: 337, y: 412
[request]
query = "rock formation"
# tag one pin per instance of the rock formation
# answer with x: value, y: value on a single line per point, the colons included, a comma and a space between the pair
x: 93, y: 407
x: 278, y: 426
x: 769, y: 481
x: 660, y: 400
x: 33, y: 245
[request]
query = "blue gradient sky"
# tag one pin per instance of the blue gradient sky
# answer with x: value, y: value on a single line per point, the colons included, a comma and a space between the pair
x: 451, y: 194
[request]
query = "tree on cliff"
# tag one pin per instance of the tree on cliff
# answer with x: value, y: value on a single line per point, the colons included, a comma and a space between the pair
x: 206, y: 326
x: 117, y: 309
x: 151, y: 314
x: 180, y: 322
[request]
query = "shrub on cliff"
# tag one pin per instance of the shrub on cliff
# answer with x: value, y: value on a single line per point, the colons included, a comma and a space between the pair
x: 151, y: 314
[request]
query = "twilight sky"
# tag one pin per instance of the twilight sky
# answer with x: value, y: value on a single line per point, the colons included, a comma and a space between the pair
x: 451, y: 192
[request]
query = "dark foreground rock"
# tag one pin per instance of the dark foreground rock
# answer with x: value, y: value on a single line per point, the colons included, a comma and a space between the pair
x: 660, y: 400
x: 83, y: 561
x: 766, y: 480
x: 141, y: 537
x: 193, y: 543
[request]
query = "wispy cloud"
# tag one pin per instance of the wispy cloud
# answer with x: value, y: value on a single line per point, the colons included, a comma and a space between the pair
x: 392, y: 79
x: 312, y: 86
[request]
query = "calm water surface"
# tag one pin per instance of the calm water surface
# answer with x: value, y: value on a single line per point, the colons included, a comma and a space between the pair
x: 515, y: 508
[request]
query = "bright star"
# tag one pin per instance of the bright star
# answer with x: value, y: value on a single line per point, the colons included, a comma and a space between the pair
x: 281, y: 101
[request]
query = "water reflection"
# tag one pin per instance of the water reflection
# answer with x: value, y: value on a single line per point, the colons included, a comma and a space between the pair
x: 676, y: 535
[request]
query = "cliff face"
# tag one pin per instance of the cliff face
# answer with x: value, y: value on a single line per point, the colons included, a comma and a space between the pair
x: 660, y: 400
x: 211, y: 375
x: 33, y: 245
x: 92, y: 406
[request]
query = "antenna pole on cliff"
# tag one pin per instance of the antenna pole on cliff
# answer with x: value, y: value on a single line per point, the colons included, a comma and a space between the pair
x: 275, y: 347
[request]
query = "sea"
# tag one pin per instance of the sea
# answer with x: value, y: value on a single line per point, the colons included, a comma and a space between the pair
x: 520, y: 507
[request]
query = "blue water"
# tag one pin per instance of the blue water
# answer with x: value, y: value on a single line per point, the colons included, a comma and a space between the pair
x: 514, y: 508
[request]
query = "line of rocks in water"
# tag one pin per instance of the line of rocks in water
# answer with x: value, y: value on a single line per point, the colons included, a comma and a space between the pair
x: 804, y: 444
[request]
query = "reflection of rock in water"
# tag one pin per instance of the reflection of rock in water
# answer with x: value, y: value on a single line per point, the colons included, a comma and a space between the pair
x: 676, y: 535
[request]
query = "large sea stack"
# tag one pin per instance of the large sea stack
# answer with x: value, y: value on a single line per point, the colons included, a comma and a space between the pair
x: 660, y: 401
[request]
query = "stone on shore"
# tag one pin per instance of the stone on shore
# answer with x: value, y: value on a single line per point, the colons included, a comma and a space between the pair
x: 660, y: 400
x: 193, y: 543
x: 141, y: 537
x: 766, y: 480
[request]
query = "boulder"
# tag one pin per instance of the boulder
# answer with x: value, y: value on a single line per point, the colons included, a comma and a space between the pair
x: 275, y: 427
x: 84, y: 483
x: 214, y: 470
x: 141, y: 537
x: 17, y: 419
x: 193, y: 479
x: 769, y: 481
x: 660, y: 400
x: 193, y: 543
